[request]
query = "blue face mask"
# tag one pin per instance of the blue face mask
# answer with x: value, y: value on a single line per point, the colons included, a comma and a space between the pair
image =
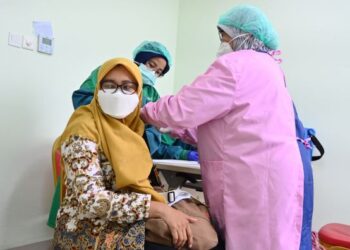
x: 148, y: 76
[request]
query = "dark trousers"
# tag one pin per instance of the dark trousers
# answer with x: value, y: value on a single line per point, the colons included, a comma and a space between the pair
x: 154, y: 246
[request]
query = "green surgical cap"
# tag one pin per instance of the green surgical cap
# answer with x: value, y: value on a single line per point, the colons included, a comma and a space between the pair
x: 251, y: 20
x: 153, y: 47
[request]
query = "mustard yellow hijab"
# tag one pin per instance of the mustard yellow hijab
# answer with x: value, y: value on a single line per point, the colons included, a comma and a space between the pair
x: 120, y: 140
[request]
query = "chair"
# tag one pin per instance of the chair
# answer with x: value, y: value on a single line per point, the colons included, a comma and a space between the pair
x: 56, y: 169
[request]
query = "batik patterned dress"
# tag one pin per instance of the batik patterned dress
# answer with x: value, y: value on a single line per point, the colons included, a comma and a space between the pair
x: 92, y: 214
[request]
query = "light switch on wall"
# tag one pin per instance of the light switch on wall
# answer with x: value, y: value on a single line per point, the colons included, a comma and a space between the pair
x: 29, y: 42
x: 15, y: 40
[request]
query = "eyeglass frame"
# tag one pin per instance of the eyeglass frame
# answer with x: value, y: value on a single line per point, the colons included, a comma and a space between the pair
x: 117, y: 86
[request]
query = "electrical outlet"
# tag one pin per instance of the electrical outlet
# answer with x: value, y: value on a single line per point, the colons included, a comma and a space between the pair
x: 29, y: 42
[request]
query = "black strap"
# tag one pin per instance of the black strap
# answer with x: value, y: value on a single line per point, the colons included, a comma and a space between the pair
x: 319, y: 147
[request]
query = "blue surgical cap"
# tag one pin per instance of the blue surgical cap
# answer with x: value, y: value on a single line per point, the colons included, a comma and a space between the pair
x: 148, y: 49
x: 251, y: 20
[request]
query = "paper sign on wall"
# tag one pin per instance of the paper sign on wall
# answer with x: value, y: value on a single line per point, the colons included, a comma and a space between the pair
x: 43, y: 28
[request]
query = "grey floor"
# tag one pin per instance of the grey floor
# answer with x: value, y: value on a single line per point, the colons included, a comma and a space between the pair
x: 43, y: 245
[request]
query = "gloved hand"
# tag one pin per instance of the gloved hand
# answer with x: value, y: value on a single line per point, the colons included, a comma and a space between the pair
x: 192, y: 156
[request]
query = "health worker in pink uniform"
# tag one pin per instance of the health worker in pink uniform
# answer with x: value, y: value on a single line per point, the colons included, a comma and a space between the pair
x: 240, y: 115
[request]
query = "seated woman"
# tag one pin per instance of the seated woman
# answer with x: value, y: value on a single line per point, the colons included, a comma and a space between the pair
x: 106, y: 166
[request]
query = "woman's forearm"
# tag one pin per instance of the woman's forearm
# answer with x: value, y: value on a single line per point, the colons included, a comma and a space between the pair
x: 158, y: 210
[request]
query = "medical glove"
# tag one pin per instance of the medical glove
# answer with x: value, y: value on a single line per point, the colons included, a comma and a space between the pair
x: 192, y: 156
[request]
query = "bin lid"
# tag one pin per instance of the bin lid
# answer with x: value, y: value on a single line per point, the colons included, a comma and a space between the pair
x: 335, y: 234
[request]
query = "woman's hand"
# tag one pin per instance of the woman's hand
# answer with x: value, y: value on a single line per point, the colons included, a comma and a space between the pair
x: 179, y: 226
x: 177, y: 221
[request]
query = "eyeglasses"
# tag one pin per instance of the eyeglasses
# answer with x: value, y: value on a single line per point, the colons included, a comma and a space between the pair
x: 127, y: 87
